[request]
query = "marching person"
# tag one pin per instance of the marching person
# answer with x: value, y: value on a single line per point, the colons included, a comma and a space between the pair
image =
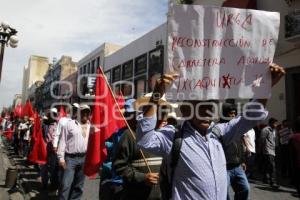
x: 51, y: 168
x: 201, y: 169
x: 128, y: 162
x: 71, y: 112
x: 285, y: 133
x: 294, y: 145
x: 249, y: 142
x: 268, y: 136
x: 71, y: 154
x: 235, y: 159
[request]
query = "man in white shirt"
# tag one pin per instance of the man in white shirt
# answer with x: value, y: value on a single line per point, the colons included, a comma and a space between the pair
x: 71, y: 153
x: 249, y: 142
x: 62, y: 123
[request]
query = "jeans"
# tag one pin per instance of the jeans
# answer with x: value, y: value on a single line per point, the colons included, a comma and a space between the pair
x: 237, y: 178
x: 73, y: 178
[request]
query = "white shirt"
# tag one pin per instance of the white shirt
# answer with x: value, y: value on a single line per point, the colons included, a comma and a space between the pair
x: 60, y: 125
x: 72, y: 139
x: 250, y: 140
x: 22, y: 127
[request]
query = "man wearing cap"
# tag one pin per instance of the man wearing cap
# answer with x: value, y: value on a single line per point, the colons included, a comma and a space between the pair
x: 51, y: 168
x: 71, y: 152
x: 128, y: 162
x: 62, y: 123
x: 201, y: 169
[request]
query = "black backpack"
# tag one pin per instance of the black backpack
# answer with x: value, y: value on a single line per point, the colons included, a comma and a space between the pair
x: 165, y: 183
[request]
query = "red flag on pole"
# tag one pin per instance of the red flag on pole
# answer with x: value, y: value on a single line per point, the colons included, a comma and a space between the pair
x: 106, y: 120
x: 38, y: 153
x: 27, y: 110
x: 62, y: 113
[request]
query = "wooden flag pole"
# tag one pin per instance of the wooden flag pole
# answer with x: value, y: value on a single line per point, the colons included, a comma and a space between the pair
x: 130, y: 130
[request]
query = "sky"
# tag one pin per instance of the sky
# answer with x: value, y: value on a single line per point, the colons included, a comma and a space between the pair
x: 53, y: 28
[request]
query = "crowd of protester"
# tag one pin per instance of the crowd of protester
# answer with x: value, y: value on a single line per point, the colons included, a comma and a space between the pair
x: 160, y: 156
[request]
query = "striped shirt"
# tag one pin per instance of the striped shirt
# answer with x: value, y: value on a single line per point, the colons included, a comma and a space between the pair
x: 72, y: 139
x: 285, y: 135
x: 201, y: 170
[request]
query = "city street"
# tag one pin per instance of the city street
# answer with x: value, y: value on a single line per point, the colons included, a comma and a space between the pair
x: 32, y: 188
x: 160, y: 99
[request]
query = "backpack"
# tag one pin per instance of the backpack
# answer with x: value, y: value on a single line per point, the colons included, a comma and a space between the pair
x: 166, y: 183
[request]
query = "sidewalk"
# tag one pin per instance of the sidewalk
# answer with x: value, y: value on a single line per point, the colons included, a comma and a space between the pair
x: 5, y: 163
x: 29, y: 186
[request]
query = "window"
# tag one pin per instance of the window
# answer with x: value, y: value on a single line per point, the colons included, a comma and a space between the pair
x: 127, y: 71
x: 98, y: 61
x: 84, y: 69
x: 107, y: 74
x: 89, y: 69
x: 156, y: 62
x: 140, y: 87
x: 127, y: 89
x: 93, y: 70
x: 93, y: 65
x: 141, y: 64
x: 81, y: 70
x: 116, y: 76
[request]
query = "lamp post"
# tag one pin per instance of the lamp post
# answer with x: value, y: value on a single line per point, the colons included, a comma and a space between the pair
x: 7, y: 36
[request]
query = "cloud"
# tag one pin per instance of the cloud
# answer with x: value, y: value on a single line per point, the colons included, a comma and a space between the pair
x: 53, y: 28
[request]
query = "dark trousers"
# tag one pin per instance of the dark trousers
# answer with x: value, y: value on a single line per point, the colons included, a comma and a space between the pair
x: 250, y: 161
x: 51, y: 171
x: 72, y: 184
x: 110, y: 191
x: 237, y: 179
x: 285, y: 160
x: 269, y: 169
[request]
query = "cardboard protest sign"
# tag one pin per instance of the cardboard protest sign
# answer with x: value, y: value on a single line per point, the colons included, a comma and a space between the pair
x: 220, y: 52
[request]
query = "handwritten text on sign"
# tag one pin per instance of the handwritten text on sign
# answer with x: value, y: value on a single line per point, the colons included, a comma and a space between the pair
x: 220, y: 52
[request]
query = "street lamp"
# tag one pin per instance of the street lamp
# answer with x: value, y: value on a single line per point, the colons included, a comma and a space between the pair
x: 7, y: 36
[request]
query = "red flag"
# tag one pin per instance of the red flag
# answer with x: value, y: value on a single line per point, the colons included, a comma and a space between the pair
x: 120, y: 99
x: 27, y: 110
x: 62, y: 113
x: 18, y: 110
x: 38, y: 153
x: 105, y: 122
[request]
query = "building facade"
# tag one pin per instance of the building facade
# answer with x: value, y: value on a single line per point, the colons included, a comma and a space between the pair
x: 284, y: 103
x: 34, y: 71
x: 68, y: 89
x: 49, y: 91
x: 141, y: 62
x: 87, y: 67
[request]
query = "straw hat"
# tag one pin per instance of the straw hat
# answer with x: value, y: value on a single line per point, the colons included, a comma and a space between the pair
x: 144, y: 100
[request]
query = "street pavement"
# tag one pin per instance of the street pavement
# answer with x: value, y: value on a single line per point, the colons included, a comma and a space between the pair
x: 30, y: 187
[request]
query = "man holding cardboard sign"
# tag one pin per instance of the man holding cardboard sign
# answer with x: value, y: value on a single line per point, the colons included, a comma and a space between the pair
x: 201, y: 169
x: 214, y: 53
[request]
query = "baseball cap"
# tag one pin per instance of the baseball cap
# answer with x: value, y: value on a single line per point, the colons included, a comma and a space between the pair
x: 75, y: 105
x: 84, y: 107
x: 53, y: 110
x: 128, y: 106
